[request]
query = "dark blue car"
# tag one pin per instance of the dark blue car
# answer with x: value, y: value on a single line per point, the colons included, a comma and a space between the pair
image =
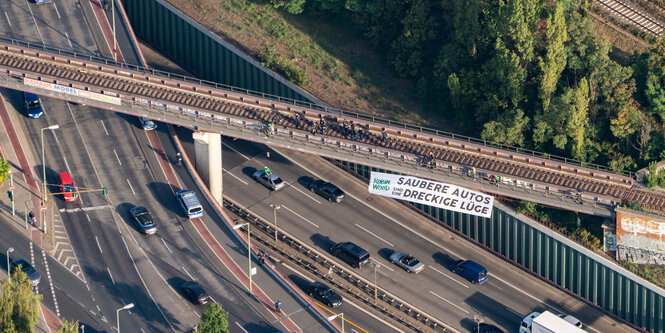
x: 33, y: 106
x: 470, y: 270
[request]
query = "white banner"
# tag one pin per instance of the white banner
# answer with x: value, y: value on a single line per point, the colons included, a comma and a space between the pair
x: 72, y: 91
x: 428, y: 192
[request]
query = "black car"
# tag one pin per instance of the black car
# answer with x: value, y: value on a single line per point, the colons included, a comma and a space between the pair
x: 324, y: 294
x: 30, y: 271
x: 195, y: 292
x: 486, y: 328
x: 327, y: 190
x: 143, y: 220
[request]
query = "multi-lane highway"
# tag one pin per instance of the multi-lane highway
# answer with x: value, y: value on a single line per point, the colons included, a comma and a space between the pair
x: 381, y: 227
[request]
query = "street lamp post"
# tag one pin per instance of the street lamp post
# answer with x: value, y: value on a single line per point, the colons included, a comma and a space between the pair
x: 9, y: 269
x: 274, y: 213
x: 52, y: 127
x: 341, y: 315
x: 478, y: 319
x: 117, y: 313
x: 249, y: 252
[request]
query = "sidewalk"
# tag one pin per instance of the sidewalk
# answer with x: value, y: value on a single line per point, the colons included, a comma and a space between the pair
x: 26, y: 194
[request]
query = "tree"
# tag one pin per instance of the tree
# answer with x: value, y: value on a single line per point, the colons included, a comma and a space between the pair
x: 655, y: 80
x: 410, y: 52
x: 508, y: 129
x: 68, y: 327
x: 522, y: 24
x: 292, y: 6
x: 554, y: 61
x: 214, y: 320
x: 4, y: 170
x: 19, y: 306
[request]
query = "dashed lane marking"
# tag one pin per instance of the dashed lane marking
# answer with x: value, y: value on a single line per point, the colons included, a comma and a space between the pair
x: 82, y: 209
x: 449, y: 302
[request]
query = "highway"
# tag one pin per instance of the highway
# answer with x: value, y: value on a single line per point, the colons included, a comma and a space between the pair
x: 113, y: 264
x: 382, y: 226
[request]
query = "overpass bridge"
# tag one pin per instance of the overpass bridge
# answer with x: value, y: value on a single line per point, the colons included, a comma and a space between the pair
x: 403, y: 148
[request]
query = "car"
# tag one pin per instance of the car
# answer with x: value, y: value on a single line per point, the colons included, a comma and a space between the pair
x: 470, y: 270
x: 195, y: 292
x: 67, y: 188
x: 351, y: 253
x: 269, y: 180
x: 327, y: 190
x: 33, y: 105
x: 147, y: 124
x: 30, y: 271
x: 486, y: 328
x: 407, y: 262
x: 324, y: 294
x: 571, y: 320
x: 144, y: 220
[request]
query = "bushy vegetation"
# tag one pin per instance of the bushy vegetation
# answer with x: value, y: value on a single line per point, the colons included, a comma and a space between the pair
x: 652, y: 273
x: 527, y: 73
x: 4, y: 170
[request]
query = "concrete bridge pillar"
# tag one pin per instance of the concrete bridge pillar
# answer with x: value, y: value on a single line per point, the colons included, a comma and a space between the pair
x: 208, y: 150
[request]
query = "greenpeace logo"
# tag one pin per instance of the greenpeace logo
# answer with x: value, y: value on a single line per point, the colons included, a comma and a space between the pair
x: 381, y: 184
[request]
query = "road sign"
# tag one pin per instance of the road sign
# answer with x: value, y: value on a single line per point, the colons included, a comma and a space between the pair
x: 11, y: 188
x: 43, y: 208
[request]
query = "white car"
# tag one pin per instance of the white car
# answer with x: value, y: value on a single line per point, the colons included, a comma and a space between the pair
x: 571, y: 320
x: 407, y: 262
x: 270, y: 181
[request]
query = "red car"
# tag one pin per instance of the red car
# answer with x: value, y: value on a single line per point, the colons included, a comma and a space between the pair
x: 67, y: 187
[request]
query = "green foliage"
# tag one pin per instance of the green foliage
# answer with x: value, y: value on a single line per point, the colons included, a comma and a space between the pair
x: 291, y: 6
x: 655, y: 80
x: 19, y: 306
x: 4, y: 170
x: 283, y: 66
x: 214, y: 320
x: 552, y: 64
x: 587, y: 237
x: 68, y: 326
x: 652, y: 273
x: 635, y: 205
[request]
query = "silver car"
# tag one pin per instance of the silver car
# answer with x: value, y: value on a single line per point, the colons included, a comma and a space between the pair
x: 407, y: 262
x: 270, y: 180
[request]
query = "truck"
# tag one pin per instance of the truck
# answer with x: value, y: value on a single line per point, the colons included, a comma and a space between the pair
x: 547, y: 322
x: 190, y: 203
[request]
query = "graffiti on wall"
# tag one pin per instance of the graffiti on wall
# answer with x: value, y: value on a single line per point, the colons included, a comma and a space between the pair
x: 640, y: 256
x: 609, y: 241
x: 640, y: 231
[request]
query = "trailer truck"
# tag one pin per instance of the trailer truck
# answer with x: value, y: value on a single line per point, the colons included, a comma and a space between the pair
x: 547, y: 322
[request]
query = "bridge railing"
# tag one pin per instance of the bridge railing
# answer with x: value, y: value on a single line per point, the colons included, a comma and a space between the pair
x: 341, y: 113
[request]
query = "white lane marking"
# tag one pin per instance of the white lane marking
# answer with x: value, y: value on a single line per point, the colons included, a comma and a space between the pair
x: 32, y: 261
x: 50, y: 282
x: 108, y: 270
x: 237, y: 152
x: 300, y: 216
x: 514, y: 312
x: 244, y: 330
x: 167, y: 247
x: 82, y: 209
x: 87, y: 217
x: 105, y: 131
x: 346, y: 301
x: 186, y: 272
x: 130, y: 187
x: 68, y: 39
x: 382, y: 265
x: 304, y: 193
x: 8, y: 21
x: 34, y: 20
x: 373, y: 234
x: 116, y: 156
x: 448, y: 276
x: 56, y: 10
x: 99, y: 246
x: 449, y: 302
x: 234, y: 176
x: 158, y: 273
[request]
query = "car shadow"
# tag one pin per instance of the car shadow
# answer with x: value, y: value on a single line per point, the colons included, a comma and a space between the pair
x: 249, y: 171
x: 443, y: 259
x: 323, y: 242
x: 176, y: 283
x: 304, y: 181
x: 123, y: 210
x: 385, y: 253
x: 162, y: 192
x: 299, y: 281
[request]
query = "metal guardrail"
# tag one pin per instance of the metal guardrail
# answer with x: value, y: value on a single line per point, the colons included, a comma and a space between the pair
x: 334, y: 111
x: 342, y: 278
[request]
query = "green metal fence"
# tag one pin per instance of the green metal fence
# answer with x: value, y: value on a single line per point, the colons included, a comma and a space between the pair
x: 197, y: 50
x: 558, y: 260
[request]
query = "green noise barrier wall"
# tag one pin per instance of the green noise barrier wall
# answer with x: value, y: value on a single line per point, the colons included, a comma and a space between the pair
x: 557, y: 259
x: 204, y: 54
